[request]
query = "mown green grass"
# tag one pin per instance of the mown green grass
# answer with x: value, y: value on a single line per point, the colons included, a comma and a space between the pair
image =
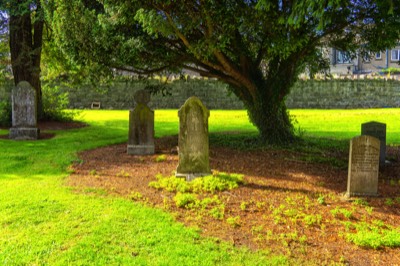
x: 44, y: 222
x: 346, y: 124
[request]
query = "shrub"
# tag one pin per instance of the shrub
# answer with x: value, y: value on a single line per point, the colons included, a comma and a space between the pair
x: 55, y: 104
x: 391, y: 70
x: 5, y: 113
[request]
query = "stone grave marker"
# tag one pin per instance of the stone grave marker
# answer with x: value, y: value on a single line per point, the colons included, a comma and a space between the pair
x: 24, y: 113
x: 141, y: 126
x: 193, y: 140
x: 377, y: 130
x: 363, y: 166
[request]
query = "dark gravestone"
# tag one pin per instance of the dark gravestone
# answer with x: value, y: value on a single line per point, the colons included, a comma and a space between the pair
x: 193, y: 140
x: 141, y: 126
x: 363, y: 166
x: 377, y: 130
x: 24, y: 113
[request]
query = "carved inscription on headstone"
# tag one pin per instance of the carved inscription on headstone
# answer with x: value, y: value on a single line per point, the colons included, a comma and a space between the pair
x: 363, y: 166
x: 193, y: 140
x: 141, y: 126
x: 377, y: 130
x: 24, y: 113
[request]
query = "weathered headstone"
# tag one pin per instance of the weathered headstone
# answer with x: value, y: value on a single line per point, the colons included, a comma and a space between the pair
x: 193, y: 140
x: 363, y: 166
x: 141, y: 126
x: 24, y: 113
x: 377, y: 130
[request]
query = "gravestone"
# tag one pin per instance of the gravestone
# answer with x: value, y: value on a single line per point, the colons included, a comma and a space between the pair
x: 193, y: 140
x: 363, y: 166
x: 377, y: 130
x: 141, y: 126
x: 24, y: 113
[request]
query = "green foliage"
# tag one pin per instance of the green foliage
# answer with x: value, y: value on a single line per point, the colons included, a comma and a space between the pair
x: 4, y: 55
x: 55, y: 104
x: 321, y: 200
x: 217, y: 182
x: 389, y: 201
x: 346, y: 213
x: 188, y: 194
x: 5, y: 113
x: 244, y: 205
x: 186, y: 200
x: 391, y: 70
x: 233, y: 221
x: 311, y: 220
x: 161, y: 158
x: 361, y: 202
x: 374, y: 236
x: 218, y: 212
x: 171, y: 184
x: 136, y: 196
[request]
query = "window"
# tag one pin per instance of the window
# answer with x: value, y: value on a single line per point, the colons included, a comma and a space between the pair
x: 367, y: 57
x: 395, y: 55
x: 378, y: 55
x: 342, y: 57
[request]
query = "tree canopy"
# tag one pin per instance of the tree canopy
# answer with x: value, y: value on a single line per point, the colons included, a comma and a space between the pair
x: 258, y: 47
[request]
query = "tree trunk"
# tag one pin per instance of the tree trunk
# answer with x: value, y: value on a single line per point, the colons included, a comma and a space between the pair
x: 266, y: 107
x: 272, y: 120
x: 26, y: 48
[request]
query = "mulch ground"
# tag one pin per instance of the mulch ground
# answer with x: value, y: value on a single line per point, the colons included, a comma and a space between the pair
x: 273, y: 178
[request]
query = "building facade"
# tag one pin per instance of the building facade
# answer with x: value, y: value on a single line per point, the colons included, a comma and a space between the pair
x: 342, y: 63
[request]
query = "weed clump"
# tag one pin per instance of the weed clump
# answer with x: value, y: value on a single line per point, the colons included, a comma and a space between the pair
x: 374, y: 236
x: 193, y: 195
x: 218, y: 181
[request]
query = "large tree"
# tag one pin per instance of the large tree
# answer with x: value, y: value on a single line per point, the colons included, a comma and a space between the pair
x: 25, y: 20
x: 257, y: 47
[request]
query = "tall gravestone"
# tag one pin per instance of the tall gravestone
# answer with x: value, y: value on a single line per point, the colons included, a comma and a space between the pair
x: 141, y: 126
x: 363, y: 166
x: 24, y: 113
x: 377, y: 130
x: 193, y: 140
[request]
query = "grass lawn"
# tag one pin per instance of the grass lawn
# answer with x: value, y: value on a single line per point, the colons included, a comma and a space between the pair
x: 44, y: 222
x: 346, y: 124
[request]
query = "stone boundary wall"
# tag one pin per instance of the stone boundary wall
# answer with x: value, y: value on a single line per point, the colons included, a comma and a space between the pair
x: 214, y: 95
x: 324, y: 94
x: 345, y: 94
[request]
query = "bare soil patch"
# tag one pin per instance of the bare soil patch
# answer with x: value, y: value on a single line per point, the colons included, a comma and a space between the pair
x: 273, y: 178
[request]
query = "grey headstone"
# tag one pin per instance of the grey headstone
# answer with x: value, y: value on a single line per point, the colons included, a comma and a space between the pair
x: 24, y: 112
x: 363, y: 166
x: 377, y: 130
x: 193, y: 140
x: 141, y: 127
